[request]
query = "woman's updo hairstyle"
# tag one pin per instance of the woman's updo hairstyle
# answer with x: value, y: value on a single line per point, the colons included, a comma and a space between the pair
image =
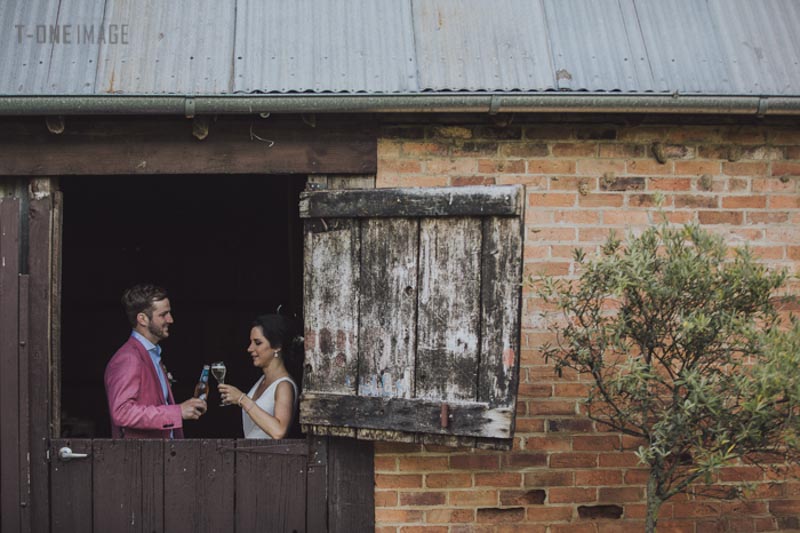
x: 275, y: 330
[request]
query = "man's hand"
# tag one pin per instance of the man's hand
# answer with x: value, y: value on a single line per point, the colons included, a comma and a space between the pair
x: 193, y: 408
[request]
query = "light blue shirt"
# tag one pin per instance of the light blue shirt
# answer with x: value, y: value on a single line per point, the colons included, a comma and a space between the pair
x: 154, y: 351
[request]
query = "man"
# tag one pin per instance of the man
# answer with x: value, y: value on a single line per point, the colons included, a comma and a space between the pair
x: 139, y: 395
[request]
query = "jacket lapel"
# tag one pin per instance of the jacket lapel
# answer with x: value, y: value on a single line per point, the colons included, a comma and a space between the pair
x: 147, y: 361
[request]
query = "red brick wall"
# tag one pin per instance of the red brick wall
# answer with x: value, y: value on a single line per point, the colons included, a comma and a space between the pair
x: 582, y: 180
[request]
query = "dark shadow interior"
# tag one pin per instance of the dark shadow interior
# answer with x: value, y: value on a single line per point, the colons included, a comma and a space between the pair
x: 226, y: 248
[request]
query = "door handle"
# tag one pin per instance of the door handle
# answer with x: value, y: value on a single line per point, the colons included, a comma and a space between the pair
x: 65, y: 454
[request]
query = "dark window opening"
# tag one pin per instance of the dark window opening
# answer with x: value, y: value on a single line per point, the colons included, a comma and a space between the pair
x: 225, y: 247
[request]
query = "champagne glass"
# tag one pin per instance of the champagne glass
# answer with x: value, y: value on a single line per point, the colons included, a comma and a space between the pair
x: 218, y: 370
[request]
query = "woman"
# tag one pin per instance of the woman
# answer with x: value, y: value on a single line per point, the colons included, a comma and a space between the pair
x: 269, y: 407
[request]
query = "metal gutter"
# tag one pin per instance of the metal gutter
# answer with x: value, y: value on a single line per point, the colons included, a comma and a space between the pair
x: 397, y: 103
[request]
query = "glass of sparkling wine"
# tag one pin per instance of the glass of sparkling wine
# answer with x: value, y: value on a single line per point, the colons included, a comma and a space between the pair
x: 218, y: 371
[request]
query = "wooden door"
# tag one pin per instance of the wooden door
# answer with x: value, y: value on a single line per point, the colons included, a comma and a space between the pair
x: 182, y: 485
x: 28, y: 257
x: 13, y: 392
x: 291, y: 485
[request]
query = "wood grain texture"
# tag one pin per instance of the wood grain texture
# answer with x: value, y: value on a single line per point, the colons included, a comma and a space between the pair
x: 24, y: 405
x: 270, y: 489
x: 331, y: 305
x: 413, y: 202
x: 388, y: 296
x: 10, y: 517
x: 424, y: 416
x: 153, y: 509
x: 55, y: 312
x: 165, y: 145
x: 351, y: 474
x: 501, y: 282
x: 437, y: 305
x: 42, y: 232
x: 71, y: 486
x: 198, y: 485
x: 448, y: 323
x: 317, y: 484
x: 119, y: 483
x: 182, y: 485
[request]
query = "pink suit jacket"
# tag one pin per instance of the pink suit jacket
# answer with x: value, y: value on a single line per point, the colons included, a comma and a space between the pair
x: 135, y: 398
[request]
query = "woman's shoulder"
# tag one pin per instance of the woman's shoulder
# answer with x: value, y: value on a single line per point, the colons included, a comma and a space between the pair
x: 286, y: 383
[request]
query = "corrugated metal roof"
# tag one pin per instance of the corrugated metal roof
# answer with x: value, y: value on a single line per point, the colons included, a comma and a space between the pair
x: 208, y: 47
x: 24, y: 63
x: 482, y: 46
x: 180, y: 47
x: 597, y: 46
x: 337, y: 46
x: 72, y: 69
x: 762, y: 42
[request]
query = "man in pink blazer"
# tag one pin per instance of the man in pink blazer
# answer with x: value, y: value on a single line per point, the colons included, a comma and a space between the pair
x: 139, y: 394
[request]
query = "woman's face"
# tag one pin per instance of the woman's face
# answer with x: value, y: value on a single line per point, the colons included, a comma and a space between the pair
x: 260, y: 349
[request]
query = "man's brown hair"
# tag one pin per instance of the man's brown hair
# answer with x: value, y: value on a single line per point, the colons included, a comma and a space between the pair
x: 140, y: 299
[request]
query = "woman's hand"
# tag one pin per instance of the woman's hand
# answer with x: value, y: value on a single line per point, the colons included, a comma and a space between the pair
x: 230, y: 394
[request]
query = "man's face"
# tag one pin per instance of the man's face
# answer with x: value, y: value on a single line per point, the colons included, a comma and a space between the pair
x: 158, y: 325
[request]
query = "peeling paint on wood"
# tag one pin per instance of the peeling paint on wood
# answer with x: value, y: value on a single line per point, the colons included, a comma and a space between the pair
x: 414, y: 202
x: 449, y: 308
x: 501, y: 272
x: 466, y: 418
x: 393, y: 436
x: 413, y: 311
x: 331, y: 326
x: 388, y: 307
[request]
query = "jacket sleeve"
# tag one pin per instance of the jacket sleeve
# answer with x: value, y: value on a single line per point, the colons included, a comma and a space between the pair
x: 128, y: 408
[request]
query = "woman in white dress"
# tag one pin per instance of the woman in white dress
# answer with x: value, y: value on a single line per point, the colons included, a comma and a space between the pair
x: 269, y: 407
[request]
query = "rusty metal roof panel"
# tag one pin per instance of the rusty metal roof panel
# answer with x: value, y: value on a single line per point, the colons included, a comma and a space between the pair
x: 24, y: 52
x: 173, y: 47
x: 347, y: 46
x: 597, y: 45
x: 474, y: 45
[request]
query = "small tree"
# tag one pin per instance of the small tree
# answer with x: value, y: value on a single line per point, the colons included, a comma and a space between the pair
x: 686, y: 351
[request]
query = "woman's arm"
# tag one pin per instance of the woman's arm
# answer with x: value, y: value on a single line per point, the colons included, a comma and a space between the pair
x: 275, y: 426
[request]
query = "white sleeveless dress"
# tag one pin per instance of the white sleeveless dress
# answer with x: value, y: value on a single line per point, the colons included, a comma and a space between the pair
x: 266, y: 402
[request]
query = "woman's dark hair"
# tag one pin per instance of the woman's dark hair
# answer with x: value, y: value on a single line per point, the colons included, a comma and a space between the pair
x: 280, y: 333
x: 274, y: 328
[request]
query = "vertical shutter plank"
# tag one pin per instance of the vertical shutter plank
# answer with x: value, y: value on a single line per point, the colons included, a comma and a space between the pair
x: 388, y: 307
x: 449, y: 308
x: 500, y: 306
x: 501, y: 276
x: 331, y: 305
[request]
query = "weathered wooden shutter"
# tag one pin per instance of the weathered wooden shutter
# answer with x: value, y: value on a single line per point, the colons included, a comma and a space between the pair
x: 412, y: 313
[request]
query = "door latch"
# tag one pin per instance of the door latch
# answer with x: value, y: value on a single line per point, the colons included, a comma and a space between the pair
x: 65, y: 454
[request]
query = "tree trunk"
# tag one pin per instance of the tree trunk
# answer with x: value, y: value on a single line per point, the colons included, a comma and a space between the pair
x: 653, y: 502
